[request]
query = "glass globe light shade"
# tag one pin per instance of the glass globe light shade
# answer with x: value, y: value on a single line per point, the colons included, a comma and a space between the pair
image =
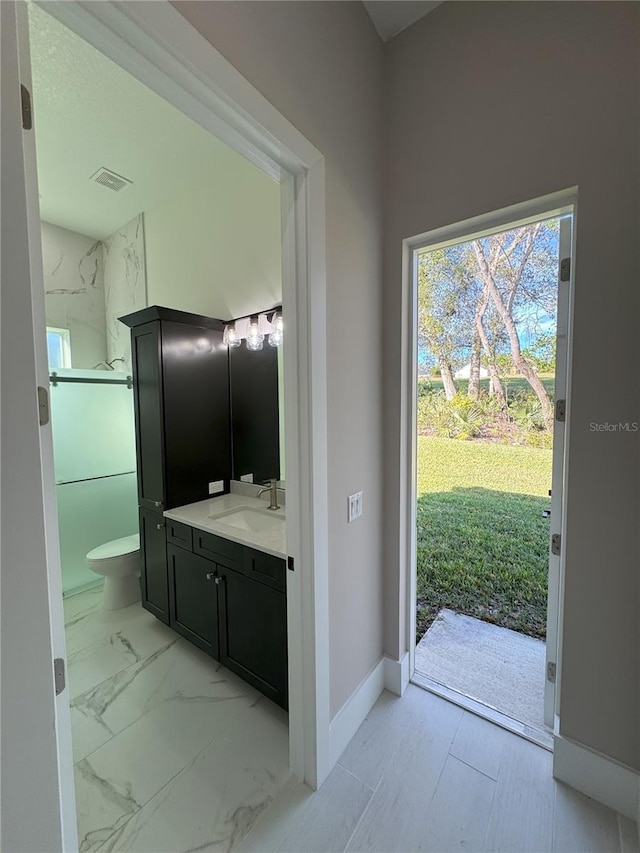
x: 230, y: 336
x: 255, y: 338
x: 277, y: 331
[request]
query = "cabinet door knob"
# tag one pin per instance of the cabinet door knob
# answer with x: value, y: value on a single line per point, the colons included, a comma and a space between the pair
x: 157, y: 503
x: 159, y: 526
x: 211, y: 575
x: 219, y: 580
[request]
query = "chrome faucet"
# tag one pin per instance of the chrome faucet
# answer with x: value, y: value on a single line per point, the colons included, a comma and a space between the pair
x: 272, y: 488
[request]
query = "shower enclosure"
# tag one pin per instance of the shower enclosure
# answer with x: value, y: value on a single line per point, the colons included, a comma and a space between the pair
x: 95, y: 466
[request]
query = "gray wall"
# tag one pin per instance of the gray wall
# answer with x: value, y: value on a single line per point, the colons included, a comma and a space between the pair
x: 320, y: 64
x: 489, y: 104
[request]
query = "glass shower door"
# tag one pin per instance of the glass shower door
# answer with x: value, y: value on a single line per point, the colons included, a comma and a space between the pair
x: 95, y: 464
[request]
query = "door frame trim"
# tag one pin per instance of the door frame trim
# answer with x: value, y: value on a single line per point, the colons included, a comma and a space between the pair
x: 523, y: 213
x: 158, y: 46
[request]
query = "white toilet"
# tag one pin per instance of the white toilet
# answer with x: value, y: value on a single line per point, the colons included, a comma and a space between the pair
x: 120, y: 563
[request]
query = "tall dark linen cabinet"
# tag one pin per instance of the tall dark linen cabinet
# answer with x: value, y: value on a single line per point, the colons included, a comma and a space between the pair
x: 183, y: 427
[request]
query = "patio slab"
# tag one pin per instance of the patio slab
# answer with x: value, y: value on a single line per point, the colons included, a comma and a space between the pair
x: 495, y: 666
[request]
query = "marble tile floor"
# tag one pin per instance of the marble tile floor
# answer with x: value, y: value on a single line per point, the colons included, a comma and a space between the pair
x: 423, y: 774
x: 172, y: 752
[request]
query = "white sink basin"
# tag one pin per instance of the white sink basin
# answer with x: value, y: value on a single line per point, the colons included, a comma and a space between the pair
x: 249, y: 520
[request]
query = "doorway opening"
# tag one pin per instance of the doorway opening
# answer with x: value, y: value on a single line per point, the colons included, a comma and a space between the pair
x: 491, y: 314
x: 293, y: 171
x: 167, y: 421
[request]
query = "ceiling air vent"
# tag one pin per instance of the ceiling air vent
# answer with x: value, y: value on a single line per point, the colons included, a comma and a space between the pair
x: 111, y: 180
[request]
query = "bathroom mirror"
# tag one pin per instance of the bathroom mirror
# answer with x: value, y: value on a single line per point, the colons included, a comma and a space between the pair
x: 256, y: 405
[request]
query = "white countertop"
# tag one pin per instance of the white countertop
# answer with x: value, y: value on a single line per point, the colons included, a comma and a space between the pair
x: 204, y: 515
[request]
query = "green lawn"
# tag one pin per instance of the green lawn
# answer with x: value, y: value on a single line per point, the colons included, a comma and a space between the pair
x: 482, y: 540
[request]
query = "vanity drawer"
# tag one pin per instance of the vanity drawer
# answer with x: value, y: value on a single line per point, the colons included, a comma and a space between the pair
x: 179, y: 534
x: 218, y: 549
x: 265, y: 568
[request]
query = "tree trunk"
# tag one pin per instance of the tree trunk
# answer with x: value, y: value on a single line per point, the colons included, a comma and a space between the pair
x: 495, y: 385
x: 519, y: 361
x: 473, y: 389
x: 447, y: 380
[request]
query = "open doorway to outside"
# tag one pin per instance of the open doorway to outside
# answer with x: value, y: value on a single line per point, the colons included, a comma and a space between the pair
x: 491, y: 324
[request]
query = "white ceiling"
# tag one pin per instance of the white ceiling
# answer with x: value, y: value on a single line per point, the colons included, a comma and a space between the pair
x: 89, y: 113
x: 390, y: 17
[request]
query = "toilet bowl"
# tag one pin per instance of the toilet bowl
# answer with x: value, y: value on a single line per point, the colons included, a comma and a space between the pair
x: 120, y: 562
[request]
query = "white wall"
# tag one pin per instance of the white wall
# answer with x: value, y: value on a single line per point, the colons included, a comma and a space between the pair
x: 215, y: 249
x: 74, y: 291
x: 89, y: 284
x: 490, y: 104
x: 124, y: 286
x: 320, y: 64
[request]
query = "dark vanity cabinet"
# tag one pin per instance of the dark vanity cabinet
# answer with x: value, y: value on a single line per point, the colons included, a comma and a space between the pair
x: 193, y: 598
x: 253, y: 630
x: 230, y: 601
x: 183, y: 427
x: 153, y: 576
x: 182, y: 410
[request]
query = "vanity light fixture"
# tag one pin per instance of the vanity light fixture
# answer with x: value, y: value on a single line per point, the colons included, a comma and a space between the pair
x: 255, y: 337
x: 277, y: 330
x: 230, y: 336
x: 253, y: 327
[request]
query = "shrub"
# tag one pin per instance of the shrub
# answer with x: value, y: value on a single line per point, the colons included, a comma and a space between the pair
x: 432, y: 408
x: 525, y: 410
x: 424, y: 387
x: 539, y: 438
x: 459, y: 418
x: 464, y: 418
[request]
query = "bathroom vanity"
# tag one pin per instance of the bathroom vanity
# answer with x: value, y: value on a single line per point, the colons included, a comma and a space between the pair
x: 227, y: 586
x: 213, y: 568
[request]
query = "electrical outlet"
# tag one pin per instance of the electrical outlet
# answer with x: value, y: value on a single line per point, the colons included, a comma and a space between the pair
x: 246, y: 478
x: 354, y: 504
x: 216, y: 487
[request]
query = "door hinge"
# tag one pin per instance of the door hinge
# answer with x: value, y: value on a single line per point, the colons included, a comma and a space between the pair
x: 565, y: 269
x: 556, y: 543
x: 290, y: 564
x: 59, y: 675
x: 551, y: 671
x: 43, y: 405
x: 27, y: 114
x: 561, y: 410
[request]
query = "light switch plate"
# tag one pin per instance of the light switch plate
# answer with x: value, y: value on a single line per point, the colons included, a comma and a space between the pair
x: 354, y: 505
x: 217, y: 486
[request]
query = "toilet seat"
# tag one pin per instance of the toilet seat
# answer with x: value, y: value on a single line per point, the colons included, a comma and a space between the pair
x: 116, y: 548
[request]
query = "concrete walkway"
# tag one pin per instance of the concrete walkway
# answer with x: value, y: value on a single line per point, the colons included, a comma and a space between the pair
x: 493, y: 665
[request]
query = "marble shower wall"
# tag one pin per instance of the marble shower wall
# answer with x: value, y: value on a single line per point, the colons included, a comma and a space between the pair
x: 125, y: 286
x: 74, y: 291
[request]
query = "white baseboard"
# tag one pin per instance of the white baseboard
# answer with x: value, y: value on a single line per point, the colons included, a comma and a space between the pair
x: 352, y: 714
x: 387, y: 673
x: 396, y: 674
x: 605, y: 780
